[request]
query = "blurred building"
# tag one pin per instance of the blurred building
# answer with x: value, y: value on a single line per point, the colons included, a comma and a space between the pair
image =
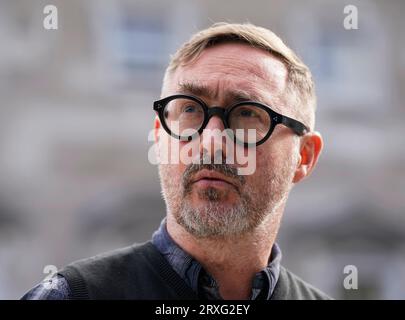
x: 76, y: 111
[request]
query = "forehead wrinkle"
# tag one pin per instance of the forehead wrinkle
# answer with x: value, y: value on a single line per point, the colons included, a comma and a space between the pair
x: 261, y: 80
x: 240, y: 92
x: 269, y: 70
x: 228, y: 59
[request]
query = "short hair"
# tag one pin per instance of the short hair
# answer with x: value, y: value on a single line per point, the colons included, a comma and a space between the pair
x: 300, y: 87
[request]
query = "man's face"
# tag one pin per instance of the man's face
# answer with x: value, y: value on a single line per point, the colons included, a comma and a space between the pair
x: 213, y: 200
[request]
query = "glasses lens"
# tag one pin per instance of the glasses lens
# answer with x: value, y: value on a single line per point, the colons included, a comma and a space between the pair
x: 184, y: 116
x: 249, y: 123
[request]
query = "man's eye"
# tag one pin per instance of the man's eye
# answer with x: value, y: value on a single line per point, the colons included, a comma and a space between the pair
x: 247, y: 113
x: 189, y: 109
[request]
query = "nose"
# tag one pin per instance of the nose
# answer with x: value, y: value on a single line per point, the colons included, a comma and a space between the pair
x: 213, y: 141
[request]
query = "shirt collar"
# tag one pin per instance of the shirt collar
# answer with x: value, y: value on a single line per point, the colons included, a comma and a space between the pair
x: 190, y: 269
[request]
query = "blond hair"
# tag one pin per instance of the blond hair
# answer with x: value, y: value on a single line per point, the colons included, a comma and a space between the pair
x: 300, y: 88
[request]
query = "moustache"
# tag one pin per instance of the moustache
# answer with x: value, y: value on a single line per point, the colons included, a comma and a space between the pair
x: 222, y: 168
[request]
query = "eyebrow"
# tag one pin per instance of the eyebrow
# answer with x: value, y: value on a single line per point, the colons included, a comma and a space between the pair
x: 235, y: 95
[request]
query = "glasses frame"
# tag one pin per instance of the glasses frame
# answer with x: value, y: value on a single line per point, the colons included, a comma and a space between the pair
x: 209, y: 111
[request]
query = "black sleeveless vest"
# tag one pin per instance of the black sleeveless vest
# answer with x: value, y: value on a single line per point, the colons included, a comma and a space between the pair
x: 140, y: 272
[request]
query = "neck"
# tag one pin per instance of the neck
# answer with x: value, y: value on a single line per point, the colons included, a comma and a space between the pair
x: 229, y: 258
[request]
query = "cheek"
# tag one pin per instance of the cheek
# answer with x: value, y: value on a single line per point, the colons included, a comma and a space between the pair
x: 264, y: 158
x: 271, y: 158
x: 169, y: 149
x: 254, y: 181
x: 270, y: 164
x: 170, y: 166
x: 172, y: 149
x: 171, y: 178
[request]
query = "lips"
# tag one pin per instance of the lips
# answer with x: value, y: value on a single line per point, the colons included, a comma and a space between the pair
x: 213, y: 178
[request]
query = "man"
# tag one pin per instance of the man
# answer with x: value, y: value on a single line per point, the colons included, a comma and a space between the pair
x: 218, y: 238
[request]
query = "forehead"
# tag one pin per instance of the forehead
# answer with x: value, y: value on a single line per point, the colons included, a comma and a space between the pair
x: 233, y: 67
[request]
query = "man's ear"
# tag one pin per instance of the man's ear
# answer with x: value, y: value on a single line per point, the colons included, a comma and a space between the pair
x: 156, y: 128
x: 310, y: 149
x: 156, y: 132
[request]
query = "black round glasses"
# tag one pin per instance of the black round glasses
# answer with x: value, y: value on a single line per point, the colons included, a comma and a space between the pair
x: 248, y: 122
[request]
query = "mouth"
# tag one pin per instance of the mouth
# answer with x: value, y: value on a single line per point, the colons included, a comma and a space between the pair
x: 208, y: 178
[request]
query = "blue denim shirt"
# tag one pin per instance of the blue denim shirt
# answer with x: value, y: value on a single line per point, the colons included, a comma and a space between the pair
x: 189, y: 269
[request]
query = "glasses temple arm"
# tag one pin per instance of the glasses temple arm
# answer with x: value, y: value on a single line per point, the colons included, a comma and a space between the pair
x: 298, y: 127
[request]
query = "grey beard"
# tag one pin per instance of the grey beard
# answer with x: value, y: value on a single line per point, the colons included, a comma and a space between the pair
x: 215, y: 219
